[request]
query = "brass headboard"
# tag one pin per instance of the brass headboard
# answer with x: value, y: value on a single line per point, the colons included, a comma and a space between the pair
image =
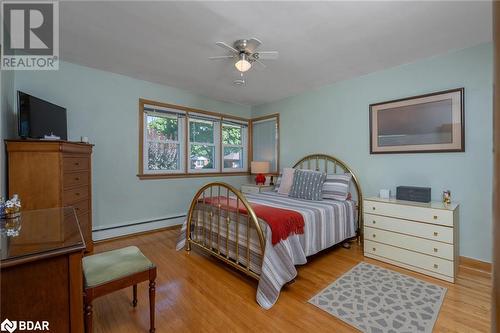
x: 330, y: 164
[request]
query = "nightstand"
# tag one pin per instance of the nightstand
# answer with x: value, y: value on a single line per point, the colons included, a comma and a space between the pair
x: 252, y: 188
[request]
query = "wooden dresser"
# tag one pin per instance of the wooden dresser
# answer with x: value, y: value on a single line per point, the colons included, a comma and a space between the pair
x: 41, y: 269
x: 419, y: 236
x: 49, y: 174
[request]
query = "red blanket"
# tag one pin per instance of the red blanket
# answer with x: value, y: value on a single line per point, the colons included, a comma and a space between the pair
x: 283, y: 222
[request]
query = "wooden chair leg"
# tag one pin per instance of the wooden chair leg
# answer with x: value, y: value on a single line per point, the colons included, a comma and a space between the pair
x: 88, y: 317
x: 134, y: 295
x: 152, y: 290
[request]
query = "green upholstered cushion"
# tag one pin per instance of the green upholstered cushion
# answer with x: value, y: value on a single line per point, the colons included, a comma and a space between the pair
x: 108, y: 266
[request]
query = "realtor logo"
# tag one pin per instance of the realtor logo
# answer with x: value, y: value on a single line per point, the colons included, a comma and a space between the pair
x: 8, y: 326
x: 30, y: 35
x: 24, y: 325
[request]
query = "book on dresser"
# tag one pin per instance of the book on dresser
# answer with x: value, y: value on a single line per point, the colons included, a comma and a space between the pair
x: 422, y: 237
x: 48, y: 174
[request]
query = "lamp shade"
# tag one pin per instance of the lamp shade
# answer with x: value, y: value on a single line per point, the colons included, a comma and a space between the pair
x: 260, y: 167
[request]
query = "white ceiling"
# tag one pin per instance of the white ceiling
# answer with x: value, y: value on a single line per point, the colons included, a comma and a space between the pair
x: 319, y: 42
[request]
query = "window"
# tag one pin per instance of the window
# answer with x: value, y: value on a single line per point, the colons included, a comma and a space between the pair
x: 203, y: 149
x: 176, y: 141
x: 265, y: 140
x: 234, y: 146
x: 163, y: 150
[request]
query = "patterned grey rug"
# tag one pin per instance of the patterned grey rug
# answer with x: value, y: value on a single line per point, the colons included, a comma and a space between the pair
x: 377, y: 300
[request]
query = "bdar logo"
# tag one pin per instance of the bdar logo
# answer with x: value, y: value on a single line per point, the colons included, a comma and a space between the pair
x: 8, y: 325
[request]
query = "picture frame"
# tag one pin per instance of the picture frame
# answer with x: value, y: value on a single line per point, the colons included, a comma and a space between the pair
x: 430, y: 123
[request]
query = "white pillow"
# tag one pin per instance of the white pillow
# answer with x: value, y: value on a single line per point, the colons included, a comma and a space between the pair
x: 286, y: 181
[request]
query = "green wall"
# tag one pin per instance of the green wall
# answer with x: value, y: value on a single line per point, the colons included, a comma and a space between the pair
x: 104, y: 107
x: 334, y: 120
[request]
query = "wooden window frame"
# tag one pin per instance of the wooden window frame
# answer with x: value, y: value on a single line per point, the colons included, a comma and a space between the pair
x: 186, y: 174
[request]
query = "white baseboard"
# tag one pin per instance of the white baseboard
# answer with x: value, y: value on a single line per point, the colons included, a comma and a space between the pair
x: 136, y: 227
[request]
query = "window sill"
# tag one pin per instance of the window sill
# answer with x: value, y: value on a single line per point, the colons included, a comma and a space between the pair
x: 191, y: 175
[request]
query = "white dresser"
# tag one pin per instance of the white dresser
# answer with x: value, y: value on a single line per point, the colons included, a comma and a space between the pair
x: 252, y: 188
x: 418, y: 236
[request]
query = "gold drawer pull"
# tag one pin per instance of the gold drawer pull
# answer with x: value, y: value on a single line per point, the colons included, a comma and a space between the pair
x: 435, y: 233
x: 435, y: 217
x: 436, y: 266
x: 374, y: 236
x: 374, y: 249
x: 435, y: 249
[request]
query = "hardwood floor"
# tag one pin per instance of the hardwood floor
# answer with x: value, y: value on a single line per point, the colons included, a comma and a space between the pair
x: 196, y: 293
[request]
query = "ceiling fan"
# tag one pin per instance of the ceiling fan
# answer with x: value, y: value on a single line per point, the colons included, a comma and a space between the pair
x: 244, y: 51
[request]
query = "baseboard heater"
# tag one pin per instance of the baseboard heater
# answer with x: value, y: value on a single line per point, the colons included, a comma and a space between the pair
x: 139, y: 223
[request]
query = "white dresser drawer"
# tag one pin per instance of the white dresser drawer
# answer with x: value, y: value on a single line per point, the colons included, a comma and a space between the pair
x: 424, y: 230
x: 433, y: 248
x: 429, y: 263
x: 410, y: 212
x: 250, y: 189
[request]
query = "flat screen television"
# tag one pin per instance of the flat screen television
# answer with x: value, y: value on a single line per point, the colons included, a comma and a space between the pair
x: 38, y: 118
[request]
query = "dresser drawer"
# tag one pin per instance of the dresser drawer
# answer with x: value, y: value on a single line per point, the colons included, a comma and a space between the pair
x: 74, y: 195
x: 424, y: 230
x: 71, y: 164
x: 429, y: 263
x: 433, y: 248
x: 75, y: 179
x: 80, y: 207
x: 250, y: 189
x: 409, y: 212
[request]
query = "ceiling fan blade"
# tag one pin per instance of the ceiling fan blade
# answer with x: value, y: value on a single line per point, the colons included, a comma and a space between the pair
x: 260, y: 63
x: 270, y: 55
x: 221, y: 57
x: 227, y: 47
x: 253, y: 44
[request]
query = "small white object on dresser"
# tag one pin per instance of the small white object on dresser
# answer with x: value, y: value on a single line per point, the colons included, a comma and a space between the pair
x: 422, y: 237
x: 252, y: 188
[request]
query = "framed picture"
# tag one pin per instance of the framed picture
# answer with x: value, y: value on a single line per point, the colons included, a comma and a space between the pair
x: 420, y: 124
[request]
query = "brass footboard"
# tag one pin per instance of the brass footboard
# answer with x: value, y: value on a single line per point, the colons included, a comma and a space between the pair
x: 221, y: 222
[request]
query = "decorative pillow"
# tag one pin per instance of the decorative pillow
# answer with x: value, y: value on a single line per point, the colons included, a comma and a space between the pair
x: 286, y: 181
x: 307, y: 184
x: 336, y: 186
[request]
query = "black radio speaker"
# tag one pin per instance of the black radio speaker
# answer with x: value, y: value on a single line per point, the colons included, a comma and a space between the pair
x: 413, y: 193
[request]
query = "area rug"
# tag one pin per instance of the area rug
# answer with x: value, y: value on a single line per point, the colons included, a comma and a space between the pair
x: 378, y: 300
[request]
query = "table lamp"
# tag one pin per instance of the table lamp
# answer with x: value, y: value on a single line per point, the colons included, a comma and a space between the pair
x: 260, y: 168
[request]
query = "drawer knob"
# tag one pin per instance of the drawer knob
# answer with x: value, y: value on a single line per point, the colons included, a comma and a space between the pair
x: 374, y: 236
x: 435, y: 217
x: 76, y: 163
x: 77, y: 178
x: 436, y: 266
x: 374, y: 249
x: 373, y: 208
x: 374, y: 222
x: 435, y: 233
x: 77, y: 193
x: 435, y: 249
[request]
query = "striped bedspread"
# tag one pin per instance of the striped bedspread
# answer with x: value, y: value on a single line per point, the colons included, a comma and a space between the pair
x: 327, y: 222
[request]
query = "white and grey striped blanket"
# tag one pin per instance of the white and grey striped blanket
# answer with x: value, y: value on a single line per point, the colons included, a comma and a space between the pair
x: 326, y: 223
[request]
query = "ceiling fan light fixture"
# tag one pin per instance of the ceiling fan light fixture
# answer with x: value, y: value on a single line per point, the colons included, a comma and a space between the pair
x: 243, y: 64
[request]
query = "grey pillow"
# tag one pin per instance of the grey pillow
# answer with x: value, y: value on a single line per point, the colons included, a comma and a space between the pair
x: 307, y: 184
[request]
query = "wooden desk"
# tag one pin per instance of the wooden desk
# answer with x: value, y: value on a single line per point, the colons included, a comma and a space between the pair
x: 41, y: 269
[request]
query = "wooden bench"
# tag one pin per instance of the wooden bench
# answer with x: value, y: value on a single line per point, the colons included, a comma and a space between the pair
x: 114, y: 270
